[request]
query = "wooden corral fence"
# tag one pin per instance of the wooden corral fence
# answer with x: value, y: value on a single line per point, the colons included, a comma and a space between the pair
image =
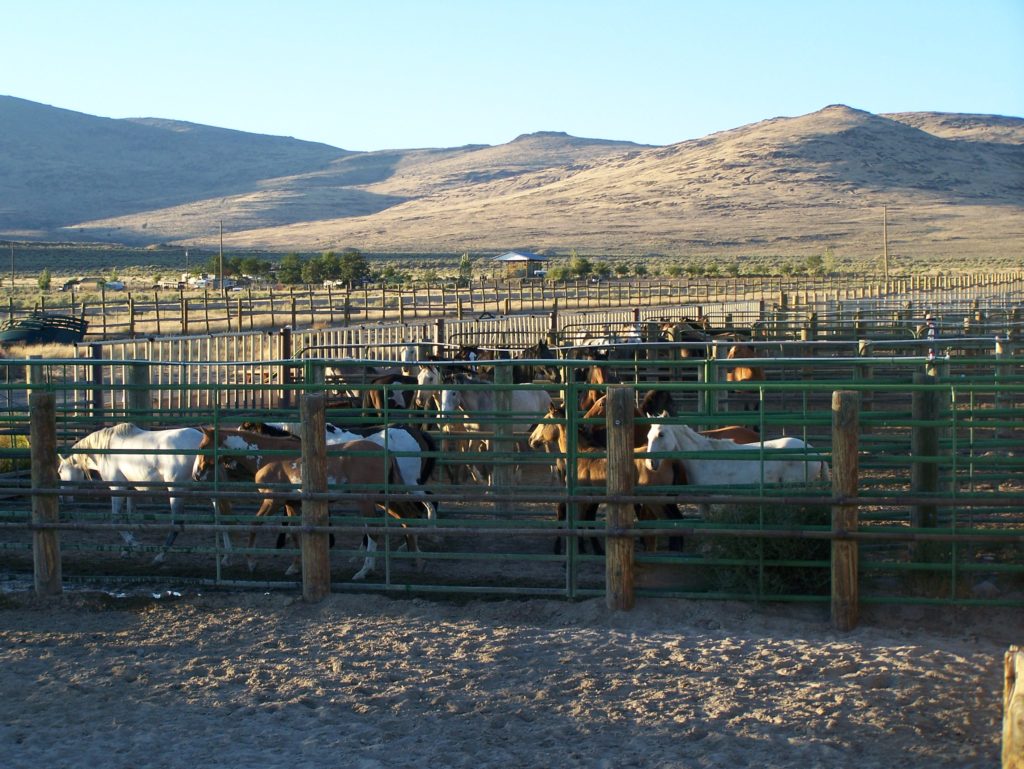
x: 255, y: 368
x: 151, y: 312
x: 926, y: 502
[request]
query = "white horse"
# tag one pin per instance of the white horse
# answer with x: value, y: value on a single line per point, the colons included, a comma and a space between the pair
x: 145, y: 467
x: 788, y: 468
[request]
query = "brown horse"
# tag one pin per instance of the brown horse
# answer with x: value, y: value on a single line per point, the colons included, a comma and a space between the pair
x: 596, y: 375
x: 593, y: 471
x: 743, y: 373
x: 361, y: 464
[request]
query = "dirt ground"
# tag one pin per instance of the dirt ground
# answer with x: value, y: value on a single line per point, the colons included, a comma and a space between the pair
x: 245, y: 679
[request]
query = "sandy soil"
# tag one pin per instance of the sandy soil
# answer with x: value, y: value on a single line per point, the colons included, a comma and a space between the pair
x: 265, y: 680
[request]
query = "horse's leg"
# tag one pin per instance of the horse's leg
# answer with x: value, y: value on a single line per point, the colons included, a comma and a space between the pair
x: 367, y: 510
x: 296, y: 565
x: 590, y: 514
x: 116, y: 504
x: 176, y: 503
x: 223, y: 507
x: 267, y: 507
x: 560, y: 516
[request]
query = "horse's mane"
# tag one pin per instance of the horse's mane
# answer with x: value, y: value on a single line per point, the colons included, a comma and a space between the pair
x: 703, y: 441
x: 100, y: 439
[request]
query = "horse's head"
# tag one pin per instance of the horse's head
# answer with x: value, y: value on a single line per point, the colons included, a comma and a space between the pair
x: 204, y: 463
x: 659, y: 439
x: 546, y: 434
x: 70, y: 471
x: 428, y: 379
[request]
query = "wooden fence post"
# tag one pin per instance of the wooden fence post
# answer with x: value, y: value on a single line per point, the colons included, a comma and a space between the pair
x: 845, y: 470
x: 1013, y: 709
x: 619, y: 573
x: 316, y: 563
x: 137, y: 396
x: 45, y: 508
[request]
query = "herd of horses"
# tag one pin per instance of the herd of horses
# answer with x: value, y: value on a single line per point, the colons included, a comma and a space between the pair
x: 452, y: 406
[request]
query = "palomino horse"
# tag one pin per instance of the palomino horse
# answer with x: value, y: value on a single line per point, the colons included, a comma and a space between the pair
x: 475, y: 410
x: 362, y: 466
x: 787, y: 466
x: 141, y: 465
x: 593, y: 471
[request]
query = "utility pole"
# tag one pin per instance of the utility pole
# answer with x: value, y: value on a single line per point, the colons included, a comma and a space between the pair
x: 885, y: 241
x: 221, y: 258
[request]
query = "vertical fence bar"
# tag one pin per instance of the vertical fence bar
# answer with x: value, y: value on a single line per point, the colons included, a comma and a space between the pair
x: 924, y: 470
x: 845, y: 468
x: 45, y: 508
x: 619, y: 573
x: 316, y: 565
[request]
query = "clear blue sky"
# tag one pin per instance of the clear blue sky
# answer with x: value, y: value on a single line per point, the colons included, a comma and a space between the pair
x: 374, y: 74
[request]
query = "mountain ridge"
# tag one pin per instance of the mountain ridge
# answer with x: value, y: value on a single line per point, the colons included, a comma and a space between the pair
x: 784, y: 184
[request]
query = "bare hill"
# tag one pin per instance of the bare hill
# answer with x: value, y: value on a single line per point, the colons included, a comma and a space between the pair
x: 953, y: 186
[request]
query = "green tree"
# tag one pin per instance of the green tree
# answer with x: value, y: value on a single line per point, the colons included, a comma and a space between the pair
x: 579, y: 266
x: 465, y: 270
x: 44, y: 279
x: 289, y: 271
x: 352, y: 267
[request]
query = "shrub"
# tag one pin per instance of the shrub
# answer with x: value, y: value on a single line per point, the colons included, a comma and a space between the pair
x: 778, y: 575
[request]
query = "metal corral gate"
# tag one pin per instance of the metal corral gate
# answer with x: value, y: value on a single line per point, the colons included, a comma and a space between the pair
x: 937, y: 512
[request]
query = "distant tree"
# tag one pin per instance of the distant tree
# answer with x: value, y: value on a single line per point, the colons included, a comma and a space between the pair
x: 352, y: 266
x: 622, y: 270
x: 579, y: 266
x: 44, y: 279
x: 289, y: 271
x: 559, y: 273
x: 465, y: 270
x: 640, y: 270
x: 603, y: 270
x: 393, y: 276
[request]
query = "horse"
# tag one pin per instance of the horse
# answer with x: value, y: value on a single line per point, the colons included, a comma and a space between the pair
x: 475, y: 409
x: 414, y: 448
x: 383, y: 398
x: 522, y: 374
x: 361, y: 463
x: 596, y: 375
x: 675, y: 438
x: 145, y: 467
x: 593, y: 471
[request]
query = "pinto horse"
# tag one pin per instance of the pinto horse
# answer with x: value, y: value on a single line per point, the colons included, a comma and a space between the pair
x: 361, y: 465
